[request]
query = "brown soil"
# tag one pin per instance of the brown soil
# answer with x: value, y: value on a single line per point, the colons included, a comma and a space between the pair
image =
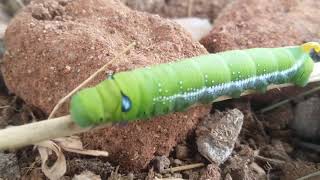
x: 134, y: 145
x: 63, y: 42
x: 260, y: 23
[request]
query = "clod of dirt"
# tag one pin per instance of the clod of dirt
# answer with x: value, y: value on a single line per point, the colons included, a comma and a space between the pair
x: 275, y: 151
x: 295, y: 170
x: 180, y: 8
x: 160, y: 163
x: 9, y: 167
x: 53, y: 46
x: 306, y: 122
x: 239, y: 168
x: 191, y: 174
x: 211, y: 172
x: 41, y: 67
x: 217, y: 135
x: 260, y: 23
x: 279, y: 117
x: 134, y: 145
x: 96, y: 166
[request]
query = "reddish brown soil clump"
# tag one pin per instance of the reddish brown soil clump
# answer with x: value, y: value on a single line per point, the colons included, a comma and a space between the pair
x: 52, y: 46
x: 134, y: 145
x: 259, y: 23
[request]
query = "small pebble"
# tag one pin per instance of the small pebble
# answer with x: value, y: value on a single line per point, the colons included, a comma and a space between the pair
x: 160, y: 163
x: 197, y: 27
x: 182, y: 152
x: 217, y: 134
x: 177, y: 162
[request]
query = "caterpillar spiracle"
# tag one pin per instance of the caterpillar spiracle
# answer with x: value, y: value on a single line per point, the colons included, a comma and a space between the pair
x: 161, y: 89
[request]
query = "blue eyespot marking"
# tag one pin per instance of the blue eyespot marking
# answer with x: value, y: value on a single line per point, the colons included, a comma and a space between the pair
x: 125, y: 103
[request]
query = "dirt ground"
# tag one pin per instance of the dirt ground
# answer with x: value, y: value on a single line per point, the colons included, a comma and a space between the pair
x: 282, y: 142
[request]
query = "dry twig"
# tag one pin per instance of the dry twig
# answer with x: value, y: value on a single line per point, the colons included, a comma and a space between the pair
x: 185, y: 167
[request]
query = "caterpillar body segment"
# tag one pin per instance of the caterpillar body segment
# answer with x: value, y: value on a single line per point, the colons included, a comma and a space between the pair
x: 165, y: 88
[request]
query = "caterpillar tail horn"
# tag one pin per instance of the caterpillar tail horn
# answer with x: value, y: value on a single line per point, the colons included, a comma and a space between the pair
x: 313, y: 48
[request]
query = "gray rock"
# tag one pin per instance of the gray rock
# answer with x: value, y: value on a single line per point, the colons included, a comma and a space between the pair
x: 306, y: 123
x: 217, y: 134
x: 160, y: 163
x: 9, y: 168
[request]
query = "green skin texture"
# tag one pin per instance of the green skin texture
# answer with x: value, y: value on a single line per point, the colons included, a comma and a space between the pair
x: 102, y: 103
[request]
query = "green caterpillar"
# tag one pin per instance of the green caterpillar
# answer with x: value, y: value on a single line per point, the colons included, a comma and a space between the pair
x: 161, y: 89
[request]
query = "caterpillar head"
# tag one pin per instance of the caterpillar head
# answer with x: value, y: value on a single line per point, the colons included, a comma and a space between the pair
x: 101, y: 104
x: 312, y: 48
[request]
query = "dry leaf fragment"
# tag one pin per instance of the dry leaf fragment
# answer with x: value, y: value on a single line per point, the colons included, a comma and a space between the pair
x: 58, y: 169
x: 70, y: 144
x: 74, y: 144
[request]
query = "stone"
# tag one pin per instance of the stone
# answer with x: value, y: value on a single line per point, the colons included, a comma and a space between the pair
x: 177, y: 162
x: 197, y: 27
x: 9, y: 167
x: 53, y: 46
x: 160, y: 163
x: 259, y: 23
x: 216, y: 135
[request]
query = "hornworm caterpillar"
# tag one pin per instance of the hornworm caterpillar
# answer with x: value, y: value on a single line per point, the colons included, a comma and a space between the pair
x: 165, y: 88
